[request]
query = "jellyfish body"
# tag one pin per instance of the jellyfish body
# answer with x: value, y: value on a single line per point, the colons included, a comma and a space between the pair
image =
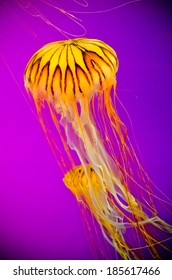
x: 77, y: 80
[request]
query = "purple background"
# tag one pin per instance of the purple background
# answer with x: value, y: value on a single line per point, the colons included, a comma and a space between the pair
x: 39, y: 217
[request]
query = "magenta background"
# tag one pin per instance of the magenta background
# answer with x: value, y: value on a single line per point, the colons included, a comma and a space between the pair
x: 39, y: 217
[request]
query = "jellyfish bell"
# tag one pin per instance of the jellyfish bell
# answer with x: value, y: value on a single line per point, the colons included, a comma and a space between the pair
x: 71, y: 71
x: 76, y: 78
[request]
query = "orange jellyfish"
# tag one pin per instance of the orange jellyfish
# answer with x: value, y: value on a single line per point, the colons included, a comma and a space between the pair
x: 76, y: 80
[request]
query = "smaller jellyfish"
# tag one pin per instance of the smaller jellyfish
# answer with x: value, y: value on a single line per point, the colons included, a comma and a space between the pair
x: 76, y: 79
x: 77, y: 181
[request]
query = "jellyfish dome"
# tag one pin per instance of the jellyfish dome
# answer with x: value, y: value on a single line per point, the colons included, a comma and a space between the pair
x: 70, y: 71
x: 76, y: 78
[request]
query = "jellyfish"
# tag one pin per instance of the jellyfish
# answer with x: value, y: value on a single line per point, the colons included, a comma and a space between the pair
x: 76, y: 80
